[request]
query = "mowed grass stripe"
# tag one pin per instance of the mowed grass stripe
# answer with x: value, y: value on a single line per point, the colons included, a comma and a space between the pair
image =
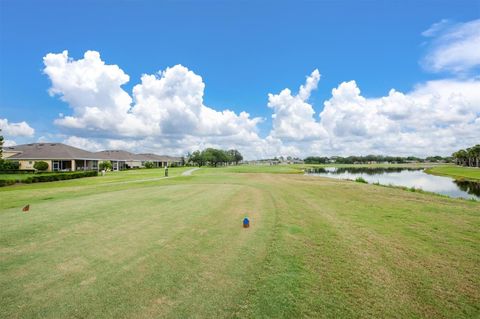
x: 102, y: 243
x: 175, y: 248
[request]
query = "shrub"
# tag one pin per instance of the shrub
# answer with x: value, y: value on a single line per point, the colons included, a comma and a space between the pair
x: 361, y: 180
x: 148, y: 164
x: 6, y: 182
x: 105, y: 165
x: 17, y: 171
x: 41, y: 165
x: 58, y: 177
x: 6, y: 165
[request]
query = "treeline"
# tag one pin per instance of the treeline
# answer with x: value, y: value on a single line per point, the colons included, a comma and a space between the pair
x: 468, y: 157
x: 215, y: 157
x: 372, y: 159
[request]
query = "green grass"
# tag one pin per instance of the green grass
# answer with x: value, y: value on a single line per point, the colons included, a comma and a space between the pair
x: 458, y: 172
x: 133, y: 244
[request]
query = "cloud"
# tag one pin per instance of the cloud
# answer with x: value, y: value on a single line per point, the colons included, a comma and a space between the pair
x: 454, y: 47
x: 166, y: 114
x: 84, y: 143
x: 7, y: 143
x: 434, y: 118
x: 293, y: 116
x: 166, y: 106
x: 16, y: 129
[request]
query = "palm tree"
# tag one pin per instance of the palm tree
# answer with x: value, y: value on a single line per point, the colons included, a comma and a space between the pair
x: 470, y: 156
x: 462, y: 155
x: 476, y: 155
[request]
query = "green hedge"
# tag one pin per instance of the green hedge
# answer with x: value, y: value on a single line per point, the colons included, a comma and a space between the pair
x: 6, y: 182
x: 58, y: 177
x: 48, y: 177
x: 17, y: 171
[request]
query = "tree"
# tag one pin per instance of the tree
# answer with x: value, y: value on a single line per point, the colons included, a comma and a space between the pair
x: 468, y: 157
x: 236, y: 156
x: 462, y: 156
x: 214, y: 157
x: 105, y: 165
x: 40, y: 165
x: 148, y: 164
x: 473, y: 154
x: 1, y: 145
x: 196, y: 158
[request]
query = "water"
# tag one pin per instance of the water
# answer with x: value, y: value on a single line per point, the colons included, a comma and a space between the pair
x: 408, y: 177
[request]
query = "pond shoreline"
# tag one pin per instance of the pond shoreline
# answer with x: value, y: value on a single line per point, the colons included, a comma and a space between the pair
x: 433, y: 171
x: 414, y: 179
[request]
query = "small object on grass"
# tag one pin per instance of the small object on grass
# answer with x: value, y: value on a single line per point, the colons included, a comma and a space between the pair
x: 26, y: 208
x: 246, y: 222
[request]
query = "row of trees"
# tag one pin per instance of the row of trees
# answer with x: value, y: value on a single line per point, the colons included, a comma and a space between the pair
x: 468, y: 157
x: 372, y: 158
x: 215, y: 157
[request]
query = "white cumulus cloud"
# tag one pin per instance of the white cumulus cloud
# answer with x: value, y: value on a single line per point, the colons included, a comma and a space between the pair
x: 436, y: 117
x: 167, y: 106
x: 293, y: 117
x: 166, y: 114
x: 16, y: 129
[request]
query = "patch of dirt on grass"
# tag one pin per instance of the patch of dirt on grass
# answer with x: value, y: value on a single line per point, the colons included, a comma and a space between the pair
x: 88, y: 281
x: 77, y: 264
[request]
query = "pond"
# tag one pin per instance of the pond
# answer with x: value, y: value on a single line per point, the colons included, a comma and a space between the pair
x: 407, y: 177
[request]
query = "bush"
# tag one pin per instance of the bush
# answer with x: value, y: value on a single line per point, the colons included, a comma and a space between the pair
x: 41, y: 165
x: 6, y: 182
x: 17, y: 171
x: 6, y: 165
x: 361, y: 180
x: 105, y: 165
x: 148, y: 164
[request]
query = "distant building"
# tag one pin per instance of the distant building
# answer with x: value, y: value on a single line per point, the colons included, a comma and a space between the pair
x: 62, y: 157
x: 58, y: 156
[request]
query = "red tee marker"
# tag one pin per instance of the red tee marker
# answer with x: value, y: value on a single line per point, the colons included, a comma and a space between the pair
x: 26, y: 208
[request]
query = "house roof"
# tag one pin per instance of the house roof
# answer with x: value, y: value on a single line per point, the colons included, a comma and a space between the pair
x: 161, y: 158
x: 49, y: 151
x: 118, y: 155
x: 59, y: 151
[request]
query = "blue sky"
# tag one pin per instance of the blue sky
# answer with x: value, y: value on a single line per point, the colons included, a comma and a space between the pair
x: 243, y: 50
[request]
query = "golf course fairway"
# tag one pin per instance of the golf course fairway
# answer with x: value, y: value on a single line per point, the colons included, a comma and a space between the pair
x: 137, y: 245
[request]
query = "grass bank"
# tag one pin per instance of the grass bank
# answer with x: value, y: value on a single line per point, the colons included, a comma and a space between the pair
x: 457, y: 172
x: 135, y: 244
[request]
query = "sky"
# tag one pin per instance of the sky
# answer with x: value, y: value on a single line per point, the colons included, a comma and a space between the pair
x: 269, y: 78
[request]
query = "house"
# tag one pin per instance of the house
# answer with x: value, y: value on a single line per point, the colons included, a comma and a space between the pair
x: 61, y: 157
x: 122, y: 159
x: 58, y: 156
x: 162, y: 160
x: 118, y: 158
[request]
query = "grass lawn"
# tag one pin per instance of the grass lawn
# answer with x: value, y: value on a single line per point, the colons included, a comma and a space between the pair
x: 135, y: 244
x: 458, y: 172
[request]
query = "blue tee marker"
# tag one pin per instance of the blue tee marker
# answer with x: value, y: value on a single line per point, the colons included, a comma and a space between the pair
x: 246, y: 222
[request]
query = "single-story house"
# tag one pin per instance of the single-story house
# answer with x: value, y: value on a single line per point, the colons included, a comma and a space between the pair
x: 58, y: 156
x: 122, y: 159
x: 118, y: 158
x: 61, y: 157
x: 162, y: 160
